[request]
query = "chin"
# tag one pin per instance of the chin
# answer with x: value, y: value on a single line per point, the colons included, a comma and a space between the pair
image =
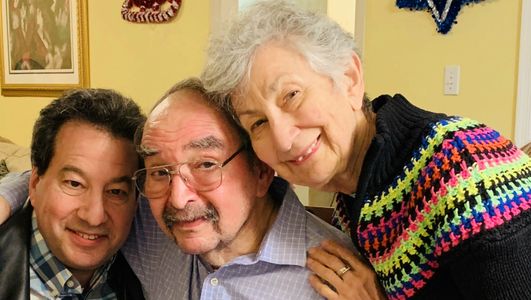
x: 314, y: 183
x: 87, y: 264
x: 194, y: 247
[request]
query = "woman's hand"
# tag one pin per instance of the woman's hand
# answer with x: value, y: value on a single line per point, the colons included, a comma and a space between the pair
x: 341, y: 275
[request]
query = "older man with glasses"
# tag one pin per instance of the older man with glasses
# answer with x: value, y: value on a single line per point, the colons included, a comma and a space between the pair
x: 235, y: 231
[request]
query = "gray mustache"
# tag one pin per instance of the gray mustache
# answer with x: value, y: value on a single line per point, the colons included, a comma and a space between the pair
x: 189, y: 213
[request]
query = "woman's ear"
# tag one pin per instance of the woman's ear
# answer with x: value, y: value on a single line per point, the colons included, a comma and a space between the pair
x: 355, y: 88
x: 33, y: 182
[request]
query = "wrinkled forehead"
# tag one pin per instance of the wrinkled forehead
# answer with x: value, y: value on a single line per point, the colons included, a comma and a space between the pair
x: 262, y: 74
x: 186, y: 124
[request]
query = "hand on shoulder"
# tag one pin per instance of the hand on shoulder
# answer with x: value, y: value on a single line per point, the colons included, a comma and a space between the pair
x: 339, y: 274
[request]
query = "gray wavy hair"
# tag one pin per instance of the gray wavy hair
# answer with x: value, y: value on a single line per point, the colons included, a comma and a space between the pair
x: 322, y: 42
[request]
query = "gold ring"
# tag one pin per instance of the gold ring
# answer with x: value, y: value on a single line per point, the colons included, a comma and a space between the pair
x: 342, y: 271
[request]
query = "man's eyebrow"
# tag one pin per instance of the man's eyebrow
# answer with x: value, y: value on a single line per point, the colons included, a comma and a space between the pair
x: 69, y: 168
x: 208, y: 142
x: 144, y: 151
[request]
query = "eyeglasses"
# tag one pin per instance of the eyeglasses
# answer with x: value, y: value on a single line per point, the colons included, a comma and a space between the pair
x: 200, y: 175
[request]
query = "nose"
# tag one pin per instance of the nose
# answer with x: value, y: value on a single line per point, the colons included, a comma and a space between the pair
x: 283, y: 131
x: 92, y: 209
x: 180, y: 194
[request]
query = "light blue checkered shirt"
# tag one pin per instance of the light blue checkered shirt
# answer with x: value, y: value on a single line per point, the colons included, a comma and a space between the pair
x: 277, y: 271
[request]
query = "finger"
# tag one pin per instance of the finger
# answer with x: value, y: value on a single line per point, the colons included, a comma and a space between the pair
x: 354, y: 292
x: 361, y: 270
x: 322, y: 288
x: 324, y: 273
x: 355, y: 261
x: 325, y: 258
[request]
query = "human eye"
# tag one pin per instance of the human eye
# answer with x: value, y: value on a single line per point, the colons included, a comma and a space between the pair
x: 290, y: 96
x: 257, y: 124
x: 158, y: 173
x: 118, y: 194
x: 204, y: 165
x: 72, y: 186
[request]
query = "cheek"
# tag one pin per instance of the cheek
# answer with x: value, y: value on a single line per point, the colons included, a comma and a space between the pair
x: 53, y: 218
x: 157, y: 209
x: 121, y: 225
x: 265, y: 150
x: 123, y: 215
x: 235, y: 209
x: 232, y: 218
x: 55, y: 208
x: 314, y: 113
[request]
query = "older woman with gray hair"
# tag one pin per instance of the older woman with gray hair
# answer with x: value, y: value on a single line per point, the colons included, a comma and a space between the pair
x: 439, y: 205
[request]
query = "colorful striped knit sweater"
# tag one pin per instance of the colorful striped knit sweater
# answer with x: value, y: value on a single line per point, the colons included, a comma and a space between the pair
x: 442, y: 208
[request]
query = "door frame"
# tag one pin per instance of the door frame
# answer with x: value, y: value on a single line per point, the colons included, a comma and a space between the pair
x: 522, y: 134
x: 222, y: 11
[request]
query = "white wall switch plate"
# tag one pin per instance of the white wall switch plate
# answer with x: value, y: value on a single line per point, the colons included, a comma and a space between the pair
x: 451, y: 79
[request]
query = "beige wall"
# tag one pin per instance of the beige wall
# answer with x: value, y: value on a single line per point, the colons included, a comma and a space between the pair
x: 139, y: 60
x: 404, y: 54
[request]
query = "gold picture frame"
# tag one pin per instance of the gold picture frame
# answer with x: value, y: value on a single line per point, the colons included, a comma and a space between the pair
x: 44, y: 47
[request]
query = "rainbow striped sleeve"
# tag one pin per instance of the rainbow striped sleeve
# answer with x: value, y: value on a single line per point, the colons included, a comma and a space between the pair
x: 465, y: 178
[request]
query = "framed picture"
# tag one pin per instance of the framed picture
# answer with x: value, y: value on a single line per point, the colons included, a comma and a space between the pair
x: 44, y: 46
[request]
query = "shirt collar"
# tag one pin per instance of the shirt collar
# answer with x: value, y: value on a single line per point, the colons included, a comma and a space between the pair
x: 57, y: 278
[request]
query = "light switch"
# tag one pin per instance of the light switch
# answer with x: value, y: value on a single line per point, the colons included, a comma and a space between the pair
x: 451, y: 79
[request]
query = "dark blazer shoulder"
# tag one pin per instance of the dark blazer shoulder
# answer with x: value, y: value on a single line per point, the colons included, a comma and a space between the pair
x: 15, y: 236
x: 123, y: 280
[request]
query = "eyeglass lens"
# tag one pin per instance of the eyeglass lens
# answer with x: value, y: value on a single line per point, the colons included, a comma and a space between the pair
x: 202, y: 176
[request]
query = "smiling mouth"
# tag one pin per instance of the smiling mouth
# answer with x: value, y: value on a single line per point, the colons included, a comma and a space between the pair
x: 87, y: 236
x: 313, y: 147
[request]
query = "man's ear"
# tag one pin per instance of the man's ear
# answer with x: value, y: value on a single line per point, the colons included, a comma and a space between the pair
x: 265, y: 177
x: 355, y: 86
x: 34, y: 180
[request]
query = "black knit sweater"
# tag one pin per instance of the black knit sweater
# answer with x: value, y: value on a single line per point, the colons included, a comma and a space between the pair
x: 442, y: 209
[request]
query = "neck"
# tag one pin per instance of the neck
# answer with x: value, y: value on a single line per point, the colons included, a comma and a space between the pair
x: 347, y: 181
x: 83, y: 276
x: 249, y: 239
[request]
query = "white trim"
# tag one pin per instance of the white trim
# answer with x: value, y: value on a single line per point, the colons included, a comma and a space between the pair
x: 359, y: 29
x: 523, y: 98
x: 221, y: 11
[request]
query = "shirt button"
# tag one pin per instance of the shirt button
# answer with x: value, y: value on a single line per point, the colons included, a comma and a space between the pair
x: 70, y: 283
x: 214, y: 281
